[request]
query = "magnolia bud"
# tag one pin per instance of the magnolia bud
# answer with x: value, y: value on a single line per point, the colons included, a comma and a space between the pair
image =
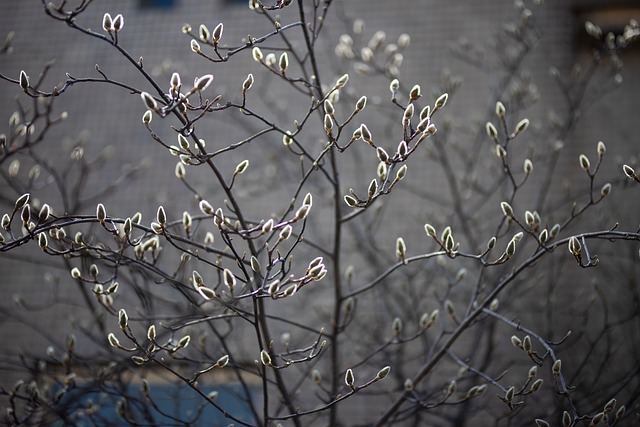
x: 107, y: 22
x: 149, y: 101
x: 24, y: 80
x: 349, y: 379
x: 195, y: 46
x: 118, y: 23
x: 248, y: 82
x: 500, y: 109
x: 257, y: 54
x: 284, y: 62
x: 217, y: 33
x: 522, y: 126
x: 203, y: 82
x: 492, y: 131
x: 584, y: 162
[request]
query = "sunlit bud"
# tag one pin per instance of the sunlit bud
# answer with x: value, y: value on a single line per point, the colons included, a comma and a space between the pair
x: 610, y: 406
x: 415, y: 93
x: 401, y: 248
x: 206, y: 293
x: 267, y: 226
x: 373, y: 189
x: 186, y: 220
x: 21, y: 201
x: 147, y: 117
x: 574, y: 246
x: 342, y: 81
x: 283, y: 62
x: 229, y: 279
x: 511, y: 248
x: 402, y: 172
x: 500, y: 151
x: 403, y: 149
x: 424, y: 124
x: 328, y: 124
x: 255, y: 264
x: 93, y: 270
x: 507, y: 210
x: 107, y: 22
x: 396, y: 326
x: 217, y: 33
x: 149, y: 101
x: 508, y: 395
x: 522, y: 126
x: 161, y: 216
x: 350, y: 201
x: 195, y: 46
x: 628, y: 170
x: 566, y: 419
x: 364, y: 131
x: 544, y: 236
x: 554, y: 231
x: 123, y: 319
x: 529, y: 219
x: 113, y: 340
x: 42, y: 241
x: 203, y: 82
x: 362, y: 102
x: 265, y: 358
x: 285, y: 233
x: 383, y: 372
x: 151, y: 333
x: 541, y: 423
x: 557, y: 366
x: 156, y: 228
x: 394, y: 86
x: 184, y: 341
x: 206, y: 207
x: 526, y: 344
x: 270, y: 59
x: 242, y: 166
x: 517, y: 342
x: 118, y: 23
x: 101, y: 213
x: 440, y: 102
x: 408, y: 114
x: 302, y: 212
x: 528, y: 166
x: 204, y: 33
x: 248, y: 82
x: 349, y: 379
x: 382, y: 171
x: 606, y: 189
x: 495, y: 303
x: 180, y: 170
x: 175, y: 81
x: 584, y: 162
x: 492, y: 131
x: 197, y: 279
x: 620, y: 412
x: 430, y: 230
x: 218, y: 218
x: 286, y: 139
x: 257, y: 54
x: 500, y: 109
x: 25, y: 215
x: 24, y: 80
x: 328, y: 107
x: 601, y: 149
